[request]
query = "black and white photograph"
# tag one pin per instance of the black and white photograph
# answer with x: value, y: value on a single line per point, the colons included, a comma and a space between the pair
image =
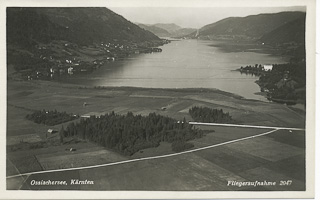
x: 212, y: 97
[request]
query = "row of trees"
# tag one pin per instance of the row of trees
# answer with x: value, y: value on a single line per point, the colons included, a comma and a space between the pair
x: 255, y: 67
x: 205, y: 114
x: 50, y: 118
x: 130, y: 133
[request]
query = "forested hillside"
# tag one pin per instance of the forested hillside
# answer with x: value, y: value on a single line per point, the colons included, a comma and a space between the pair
x: 293, y: 31
x: 284, y: 27
x: 43, y: 41
x: 82, y: 26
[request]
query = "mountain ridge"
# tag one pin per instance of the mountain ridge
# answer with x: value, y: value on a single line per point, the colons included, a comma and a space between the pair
x: 166, y: 30
x: 252, y: 27
x: 58, y: 38
x: 293, y: 31
x: 78, y: 25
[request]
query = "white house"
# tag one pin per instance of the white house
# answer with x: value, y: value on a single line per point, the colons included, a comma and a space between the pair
x: 70, y: 70
x: 267, y: 67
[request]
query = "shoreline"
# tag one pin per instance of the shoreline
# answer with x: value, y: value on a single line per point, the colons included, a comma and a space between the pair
x: 229, y: 46
x: 150, y: 89
x: 135, y: 88
x: 195, y: 90
x: 131, y: 89
x: 58, y: 84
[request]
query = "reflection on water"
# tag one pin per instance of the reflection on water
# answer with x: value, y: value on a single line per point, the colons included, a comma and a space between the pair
x: 182, y: 64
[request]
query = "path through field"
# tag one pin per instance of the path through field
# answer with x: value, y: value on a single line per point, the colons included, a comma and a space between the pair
x: 201, y: 151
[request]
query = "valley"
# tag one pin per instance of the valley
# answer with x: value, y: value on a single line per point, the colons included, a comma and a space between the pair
x: 96, y: 102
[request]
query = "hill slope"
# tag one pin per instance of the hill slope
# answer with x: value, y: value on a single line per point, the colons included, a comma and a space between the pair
x: 250, y: 27
x: 293, y: 31
x: 39, y: 39
x: 77, y: 25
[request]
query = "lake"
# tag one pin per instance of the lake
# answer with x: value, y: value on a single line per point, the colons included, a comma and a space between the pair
x: 182, y: 64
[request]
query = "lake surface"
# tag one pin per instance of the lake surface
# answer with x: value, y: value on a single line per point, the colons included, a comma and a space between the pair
x: 182, y: 64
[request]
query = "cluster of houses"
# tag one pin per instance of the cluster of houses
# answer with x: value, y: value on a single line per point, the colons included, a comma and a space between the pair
x: 120, y: 50
x: 67, y: 63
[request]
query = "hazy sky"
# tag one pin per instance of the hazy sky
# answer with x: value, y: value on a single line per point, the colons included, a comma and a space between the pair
x: 191, y: 17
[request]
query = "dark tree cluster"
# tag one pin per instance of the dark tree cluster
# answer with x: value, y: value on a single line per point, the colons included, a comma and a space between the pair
x: 285, y: 81
x: 207, y: 115
x: 294, y: 71
x: 253, y: 70
x: 50, y: 118
x: 130, y: 133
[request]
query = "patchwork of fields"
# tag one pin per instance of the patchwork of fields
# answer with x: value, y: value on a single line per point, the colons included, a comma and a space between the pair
x: 278, y: 156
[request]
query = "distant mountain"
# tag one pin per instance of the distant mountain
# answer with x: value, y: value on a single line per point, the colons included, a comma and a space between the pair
x: 167, y: 30
x: 168, y: 27
x: 77, y: 25
x: 252, y: 27
x: 160, y: 32
x: 183, y: 32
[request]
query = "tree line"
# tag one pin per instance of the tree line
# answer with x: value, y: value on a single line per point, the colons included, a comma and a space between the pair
x: 50, y: 118
x: 205, y: 114
x: 130, y: 133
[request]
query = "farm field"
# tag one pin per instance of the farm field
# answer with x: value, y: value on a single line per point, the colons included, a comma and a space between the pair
x: 281, y: 153
x: 205, y: 170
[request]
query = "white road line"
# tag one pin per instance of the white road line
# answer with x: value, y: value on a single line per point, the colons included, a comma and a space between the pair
x: 147, y: 158
x: 24, y: 180
x: 246, y: 126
